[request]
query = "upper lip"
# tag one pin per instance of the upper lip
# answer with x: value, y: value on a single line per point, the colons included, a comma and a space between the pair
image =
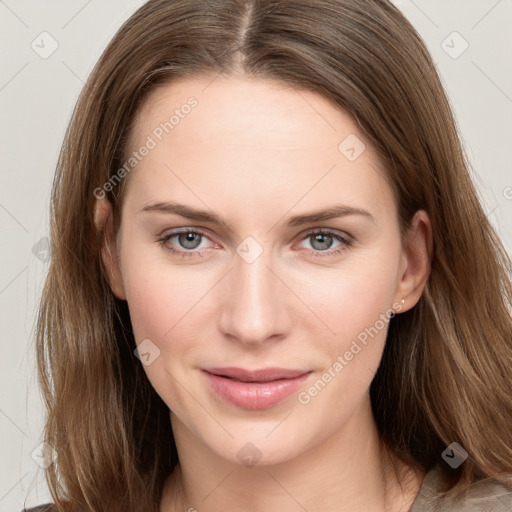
x: 261, y: 375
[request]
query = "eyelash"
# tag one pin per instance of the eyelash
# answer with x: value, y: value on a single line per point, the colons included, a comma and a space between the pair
x: 345, y: 243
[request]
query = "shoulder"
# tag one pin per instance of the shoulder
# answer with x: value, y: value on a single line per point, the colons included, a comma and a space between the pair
x: 484, y: 496
x: 41, y: 508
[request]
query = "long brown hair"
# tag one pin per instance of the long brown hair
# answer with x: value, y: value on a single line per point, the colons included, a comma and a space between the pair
x: 446, y: 370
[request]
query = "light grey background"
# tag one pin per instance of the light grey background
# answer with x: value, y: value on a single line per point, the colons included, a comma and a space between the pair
x: 37, y: 96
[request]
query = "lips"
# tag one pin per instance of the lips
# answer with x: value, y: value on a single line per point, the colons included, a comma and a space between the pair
x: 255, y: 389
x: 263, y: 375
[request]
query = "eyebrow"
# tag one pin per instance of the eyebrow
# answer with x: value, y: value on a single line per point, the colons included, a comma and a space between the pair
x: 297, y: 220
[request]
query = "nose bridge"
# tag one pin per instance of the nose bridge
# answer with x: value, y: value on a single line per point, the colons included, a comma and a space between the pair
x: 254, y: 310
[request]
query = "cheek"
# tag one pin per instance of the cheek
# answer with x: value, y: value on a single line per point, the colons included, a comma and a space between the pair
x: 168, y: 306
x: 355, y: 303
x: 358, y: 309
x: 161, y: 300
x: 350, y: 299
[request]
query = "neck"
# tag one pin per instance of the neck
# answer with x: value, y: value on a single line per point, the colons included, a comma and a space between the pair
x: 348, y: 471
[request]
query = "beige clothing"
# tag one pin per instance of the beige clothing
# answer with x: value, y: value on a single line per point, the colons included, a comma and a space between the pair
x: 485, y: 497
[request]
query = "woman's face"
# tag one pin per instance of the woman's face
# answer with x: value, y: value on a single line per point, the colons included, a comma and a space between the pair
x: 293, y: 261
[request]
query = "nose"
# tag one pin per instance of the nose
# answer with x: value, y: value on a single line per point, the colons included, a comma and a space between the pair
x: 255, y: 308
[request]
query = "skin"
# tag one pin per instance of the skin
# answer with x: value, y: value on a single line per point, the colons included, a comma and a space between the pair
x: 256, y: 153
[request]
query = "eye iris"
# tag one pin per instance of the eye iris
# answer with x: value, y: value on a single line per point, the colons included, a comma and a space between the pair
x: 189, y: 240
x: 324, y: 239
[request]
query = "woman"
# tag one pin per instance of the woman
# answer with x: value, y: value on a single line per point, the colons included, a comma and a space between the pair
x: 272, y: 284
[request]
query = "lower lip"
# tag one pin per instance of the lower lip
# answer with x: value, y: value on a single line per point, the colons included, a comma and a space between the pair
x: 254, y: 395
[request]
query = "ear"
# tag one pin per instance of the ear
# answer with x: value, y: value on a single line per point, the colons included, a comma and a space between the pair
x: 104, y: 221
x: 417, y: 259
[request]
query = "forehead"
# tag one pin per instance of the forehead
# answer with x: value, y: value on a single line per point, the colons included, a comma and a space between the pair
x: 252, y: 138
x: 240, y: 110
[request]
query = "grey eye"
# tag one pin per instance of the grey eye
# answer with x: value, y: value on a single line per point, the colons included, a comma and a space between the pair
x: 189, y: 240
x: 321, y: 241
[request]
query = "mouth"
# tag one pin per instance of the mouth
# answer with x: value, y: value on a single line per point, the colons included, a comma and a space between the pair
x: 262, y: 375
x: 255, y: 389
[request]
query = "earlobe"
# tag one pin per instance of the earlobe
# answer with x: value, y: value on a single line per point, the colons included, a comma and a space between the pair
x: 418, y: 253
x: 103, y: 220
